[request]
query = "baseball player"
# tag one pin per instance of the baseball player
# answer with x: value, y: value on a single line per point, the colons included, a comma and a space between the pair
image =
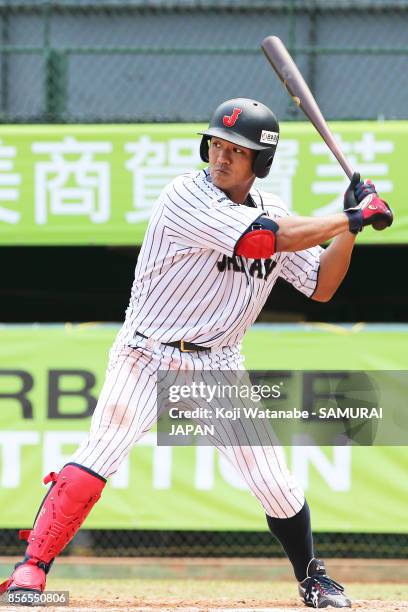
x: 213, y: 250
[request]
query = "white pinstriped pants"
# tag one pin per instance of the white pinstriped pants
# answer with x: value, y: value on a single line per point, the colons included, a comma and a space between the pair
x: 126, y: 410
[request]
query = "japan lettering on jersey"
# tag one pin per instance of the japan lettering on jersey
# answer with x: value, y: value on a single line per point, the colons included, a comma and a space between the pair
x: 188, y: 283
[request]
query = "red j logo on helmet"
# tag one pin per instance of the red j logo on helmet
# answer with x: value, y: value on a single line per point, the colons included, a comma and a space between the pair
x: 230, y: 120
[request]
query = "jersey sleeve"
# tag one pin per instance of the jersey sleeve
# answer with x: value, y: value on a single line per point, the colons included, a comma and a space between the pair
x: 197, y: 214
x: 301, y: 269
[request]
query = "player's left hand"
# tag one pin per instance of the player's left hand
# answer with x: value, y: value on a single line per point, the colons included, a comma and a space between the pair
x: 357, y: 191
x: 363, y: 206
x: 371, y: 211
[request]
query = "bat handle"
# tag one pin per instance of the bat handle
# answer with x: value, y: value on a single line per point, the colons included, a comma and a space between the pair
x: 337, y: 152
x: 346, y: 167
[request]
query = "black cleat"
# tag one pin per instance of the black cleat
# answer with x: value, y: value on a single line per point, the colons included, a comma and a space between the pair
x: 320, y: 591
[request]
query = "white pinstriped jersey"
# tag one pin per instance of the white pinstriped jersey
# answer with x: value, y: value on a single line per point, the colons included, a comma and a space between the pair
x: 188, y: 283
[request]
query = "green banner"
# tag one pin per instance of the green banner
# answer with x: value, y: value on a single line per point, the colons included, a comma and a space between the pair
x: 49, y: 381
x: 96, y: 184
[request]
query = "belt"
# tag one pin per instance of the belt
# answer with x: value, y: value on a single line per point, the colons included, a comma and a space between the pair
x: 182, y: 345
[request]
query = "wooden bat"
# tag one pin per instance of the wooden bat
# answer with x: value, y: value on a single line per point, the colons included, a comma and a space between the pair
x: 289, y: 74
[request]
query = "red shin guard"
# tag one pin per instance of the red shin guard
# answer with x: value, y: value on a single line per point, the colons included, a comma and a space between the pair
x: 72, y: 495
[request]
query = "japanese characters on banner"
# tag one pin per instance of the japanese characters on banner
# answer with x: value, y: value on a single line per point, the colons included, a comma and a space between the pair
x: 72, y: 182
x: 153, y: 165
x: 98, y: 184
x: 9, y: 185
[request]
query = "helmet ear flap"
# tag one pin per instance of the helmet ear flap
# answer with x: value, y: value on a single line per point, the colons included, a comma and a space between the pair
x: 204, y: 148
x: 262, y: 163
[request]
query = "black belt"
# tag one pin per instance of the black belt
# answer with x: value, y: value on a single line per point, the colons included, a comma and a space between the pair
x: 182, y: 345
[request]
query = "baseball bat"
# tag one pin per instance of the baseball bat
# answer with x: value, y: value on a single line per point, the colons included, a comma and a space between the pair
x: 289, y: 74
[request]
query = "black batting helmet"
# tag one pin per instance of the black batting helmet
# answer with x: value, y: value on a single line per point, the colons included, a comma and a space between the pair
x: 247, y: 123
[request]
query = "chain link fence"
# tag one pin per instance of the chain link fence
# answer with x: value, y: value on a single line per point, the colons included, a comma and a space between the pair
x: 248, y: 544
x: 175, y: 60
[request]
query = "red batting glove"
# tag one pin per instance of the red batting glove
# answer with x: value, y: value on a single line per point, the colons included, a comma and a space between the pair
x: 371, y: 211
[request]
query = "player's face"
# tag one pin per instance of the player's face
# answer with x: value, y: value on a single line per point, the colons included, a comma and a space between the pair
x: 231, y: 168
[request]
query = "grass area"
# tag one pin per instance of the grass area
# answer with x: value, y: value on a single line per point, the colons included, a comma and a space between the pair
x: 211, y: 589
x: 326, y: 346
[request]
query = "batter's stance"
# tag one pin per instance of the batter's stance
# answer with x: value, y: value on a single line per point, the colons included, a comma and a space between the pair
x: 214, y: 248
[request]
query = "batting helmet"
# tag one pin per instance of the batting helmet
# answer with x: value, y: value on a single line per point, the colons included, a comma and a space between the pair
x: 247, y: 123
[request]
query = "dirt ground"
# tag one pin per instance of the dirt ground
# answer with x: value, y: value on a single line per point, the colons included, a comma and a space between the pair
x: 224, y: 606
x: 207, y: 606
x: 213, y: 585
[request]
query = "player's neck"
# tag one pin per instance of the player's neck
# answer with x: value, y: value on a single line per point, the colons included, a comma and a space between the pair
x: 238, y: 194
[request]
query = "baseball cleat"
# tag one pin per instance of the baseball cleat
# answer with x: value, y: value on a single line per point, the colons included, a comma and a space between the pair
x: 320, y: 591
x: 27, y: 577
